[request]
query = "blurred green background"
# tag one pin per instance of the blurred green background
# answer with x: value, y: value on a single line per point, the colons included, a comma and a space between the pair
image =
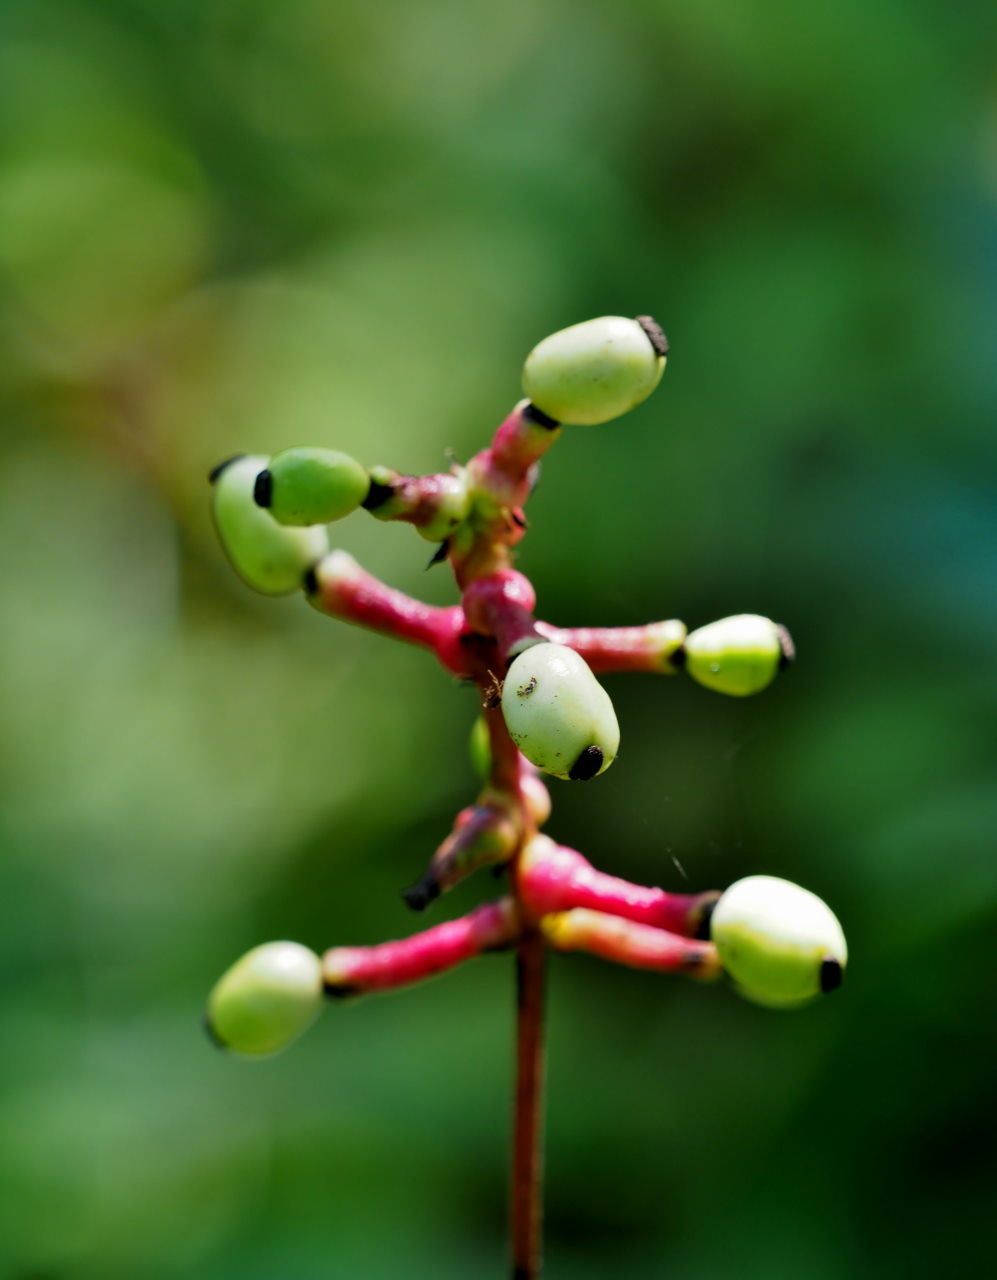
x: 236, y: 225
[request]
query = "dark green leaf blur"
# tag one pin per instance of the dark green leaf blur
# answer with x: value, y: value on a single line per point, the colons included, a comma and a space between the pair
x: 239, y: 225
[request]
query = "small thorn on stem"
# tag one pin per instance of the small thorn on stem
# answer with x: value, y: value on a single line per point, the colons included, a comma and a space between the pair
x: 440, y: 554
x: 655, y: 334
x: 587, y: 765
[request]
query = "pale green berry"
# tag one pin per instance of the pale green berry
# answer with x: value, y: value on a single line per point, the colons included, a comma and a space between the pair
x: 451, y: 501
x: 480, y: 748
x: 739, y: 655
x: 311, y: 486
x: 594, y: 371
x: 780, y: 944
x: 557, y: 713
x: 266, y: 1000
x: 267, y: 556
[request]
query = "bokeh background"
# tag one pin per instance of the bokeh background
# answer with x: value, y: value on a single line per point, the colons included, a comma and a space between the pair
x: 235, y: 225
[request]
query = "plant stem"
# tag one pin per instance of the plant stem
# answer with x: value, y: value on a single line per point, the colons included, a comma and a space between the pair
x: 527, y: 1158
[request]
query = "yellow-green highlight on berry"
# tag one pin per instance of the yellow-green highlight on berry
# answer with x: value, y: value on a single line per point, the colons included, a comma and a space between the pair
x: 266, y: 1000
x: 448, y: 506
x: 557, y: 713
x: 306, y: 486
x: 781, y: 945
x: 268, y: 557
x: 595, y: 371
x: 738, y: 656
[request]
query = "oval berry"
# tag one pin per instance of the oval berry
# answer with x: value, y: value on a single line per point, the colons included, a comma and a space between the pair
x: 557, y: 713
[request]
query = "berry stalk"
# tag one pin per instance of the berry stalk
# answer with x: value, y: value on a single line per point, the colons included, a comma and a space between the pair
x: 338, y: 586
x: 655, y: 648
x: 638, y: 946
x: 358, y: 970
x: 554, y: 878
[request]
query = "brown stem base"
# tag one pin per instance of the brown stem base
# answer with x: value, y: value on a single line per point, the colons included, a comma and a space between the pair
x: 527, y: 1158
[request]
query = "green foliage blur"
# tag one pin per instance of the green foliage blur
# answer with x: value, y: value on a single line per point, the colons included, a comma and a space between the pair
x: 239, y: 225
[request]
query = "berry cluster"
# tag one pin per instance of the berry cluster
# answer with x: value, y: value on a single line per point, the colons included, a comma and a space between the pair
x: 544, y: 712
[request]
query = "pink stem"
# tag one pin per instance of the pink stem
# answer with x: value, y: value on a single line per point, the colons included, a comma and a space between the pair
x: 554, y: 878
x: 526, y: 1193
x: 640, y: 946
x: 656, y: 647
x: 415, y: 500
x: 344, y: 590
x: 507, y: 468
x: 356, y: 970
x: 501, y: 605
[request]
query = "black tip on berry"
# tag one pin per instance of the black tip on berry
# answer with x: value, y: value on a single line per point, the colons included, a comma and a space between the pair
x: 310, y: 581
x: 788, y: 654
x: 655, y: 334
x: 338, y: 990
x: 831, y: 975
x: 212, y: 1034
x: 587, y: 765
x: 677, y: 656
x: 705, y: 919
x: 419, y: 895
x: 377, y: 495
x: 215, y: 472
x: 263, y: 489
x: 532, y: 414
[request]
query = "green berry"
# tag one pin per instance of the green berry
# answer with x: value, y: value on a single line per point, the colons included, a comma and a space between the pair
x: 266, y: 1000
x: 311, y: 486
x: 595, y: 371
x: 739, y: 655
x: 479, y: 746
x: 450, y: 503
x: 780, y: 944
x: 557, y: 713
x: 266, y: 555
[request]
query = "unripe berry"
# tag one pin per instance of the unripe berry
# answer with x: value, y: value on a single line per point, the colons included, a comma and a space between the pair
x: 266, y: 1000
x: 480, y: 748
x: 536, y: 797
x: 739, y: 655
x: 267, y: 556
x: 594, y: 371
x: 558, y: 714
x: 450, y: 502
x: 311, y: 486
x: 781, y: 944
